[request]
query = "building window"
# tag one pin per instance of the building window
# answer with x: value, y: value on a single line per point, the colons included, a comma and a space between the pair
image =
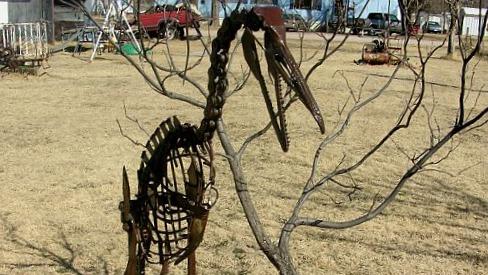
x: 306, y: 4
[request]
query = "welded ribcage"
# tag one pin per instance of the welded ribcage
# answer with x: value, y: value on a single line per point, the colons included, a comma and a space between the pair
x: 173, y: 189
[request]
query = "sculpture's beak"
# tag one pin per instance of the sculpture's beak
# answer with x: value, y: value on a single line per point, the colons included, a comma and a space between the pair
x: 281, y: 62
x: 281, y: 67
x: 252, y: 59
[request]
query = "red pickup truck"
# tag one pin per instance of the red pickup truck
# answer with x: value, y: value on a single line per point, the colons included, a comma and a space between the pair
x: 169, y: 21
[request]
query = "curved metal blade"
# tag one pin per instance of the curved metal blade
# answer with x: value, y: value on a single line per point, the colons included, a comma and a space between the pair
x: 251, y: 56
x: 131, y: 268
x: 279, y: 58
x: 126, y: 195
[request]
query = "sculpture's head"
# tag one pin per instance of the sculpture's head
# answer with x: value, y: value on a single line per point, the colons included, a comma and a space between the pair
x: 282, y: 68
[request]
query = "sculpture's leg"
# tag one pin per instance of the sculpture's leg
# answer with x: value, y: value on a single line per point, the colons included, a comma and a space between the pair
x: 132, y: 263
x: 192, y: 264
x: 165, y: 269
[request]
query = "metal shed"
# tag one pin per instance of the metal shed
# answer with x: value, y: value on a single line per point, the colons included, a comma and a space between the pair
x: 28, y: 11
x: 472, y: 22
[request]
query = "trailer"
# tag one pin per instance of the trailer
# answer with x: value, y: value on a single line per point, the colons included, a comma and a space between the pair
x: 23, y: 45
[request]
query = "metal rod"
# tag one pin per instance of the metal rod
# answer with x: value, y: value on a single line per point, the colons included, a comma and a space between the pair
x: 31, y: 40
x: 4, y: 39
x: 99, y: 37
x: 20, y: 39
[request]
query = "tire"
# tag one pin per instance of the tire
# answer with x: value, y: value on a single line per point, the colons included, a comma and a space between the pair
x: 167, y: 30
x: 171, y: 31
x: 161, y: 33
x: 7, y: 53
x: 180, y: 33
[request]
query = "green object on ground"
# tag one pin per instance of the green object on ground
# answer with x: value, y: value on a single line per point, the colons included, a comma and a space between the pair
x: 129, y: 49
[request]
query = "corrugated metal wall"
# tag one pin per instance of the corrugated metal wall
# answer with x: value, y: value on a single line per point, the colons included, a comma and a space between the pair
x: 21, y: 11
x: 3, y: 11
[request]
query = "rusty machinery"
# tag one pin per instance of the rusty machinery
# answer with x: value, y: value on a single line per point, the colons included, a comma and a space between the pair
x: 176, y: 179
x: 380, y: 52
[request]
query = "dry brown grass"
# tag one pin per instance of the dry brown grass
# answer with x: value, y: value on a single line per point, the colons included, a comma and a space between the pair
x: 62, y: 156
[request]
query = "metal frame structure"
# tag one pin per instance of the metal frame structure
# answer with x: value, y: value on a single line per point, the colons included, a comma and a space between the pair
x: 27, y: 40
x: 109, y: 28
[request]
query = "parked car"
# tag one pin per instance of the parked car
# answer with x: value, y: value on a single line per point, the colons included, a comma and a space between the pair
x: 332, y: 23
x: 168, y: 21
x: 356, y: 25
x: 294, y: 22
x: 378, y: 23
x: 432, y: 27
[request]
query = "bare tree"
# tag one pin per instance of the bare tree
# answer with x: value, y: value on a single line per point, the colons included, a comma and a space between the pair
x: 158, y: 72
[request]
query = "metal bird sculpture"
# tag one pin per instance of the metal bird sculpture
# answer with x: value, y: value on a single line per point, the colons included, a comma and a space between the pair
x: 167, y: 219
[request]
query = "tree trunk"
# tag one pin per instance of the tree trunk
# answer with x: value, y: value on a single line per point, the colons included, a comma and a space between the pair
x: 452, y: 37
x: 451, y: 43
x: 215, y: 13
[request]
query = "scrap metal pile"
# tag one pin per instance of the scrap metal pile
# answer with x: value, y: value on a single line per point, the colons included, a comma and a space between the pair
x: 176, y: 180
